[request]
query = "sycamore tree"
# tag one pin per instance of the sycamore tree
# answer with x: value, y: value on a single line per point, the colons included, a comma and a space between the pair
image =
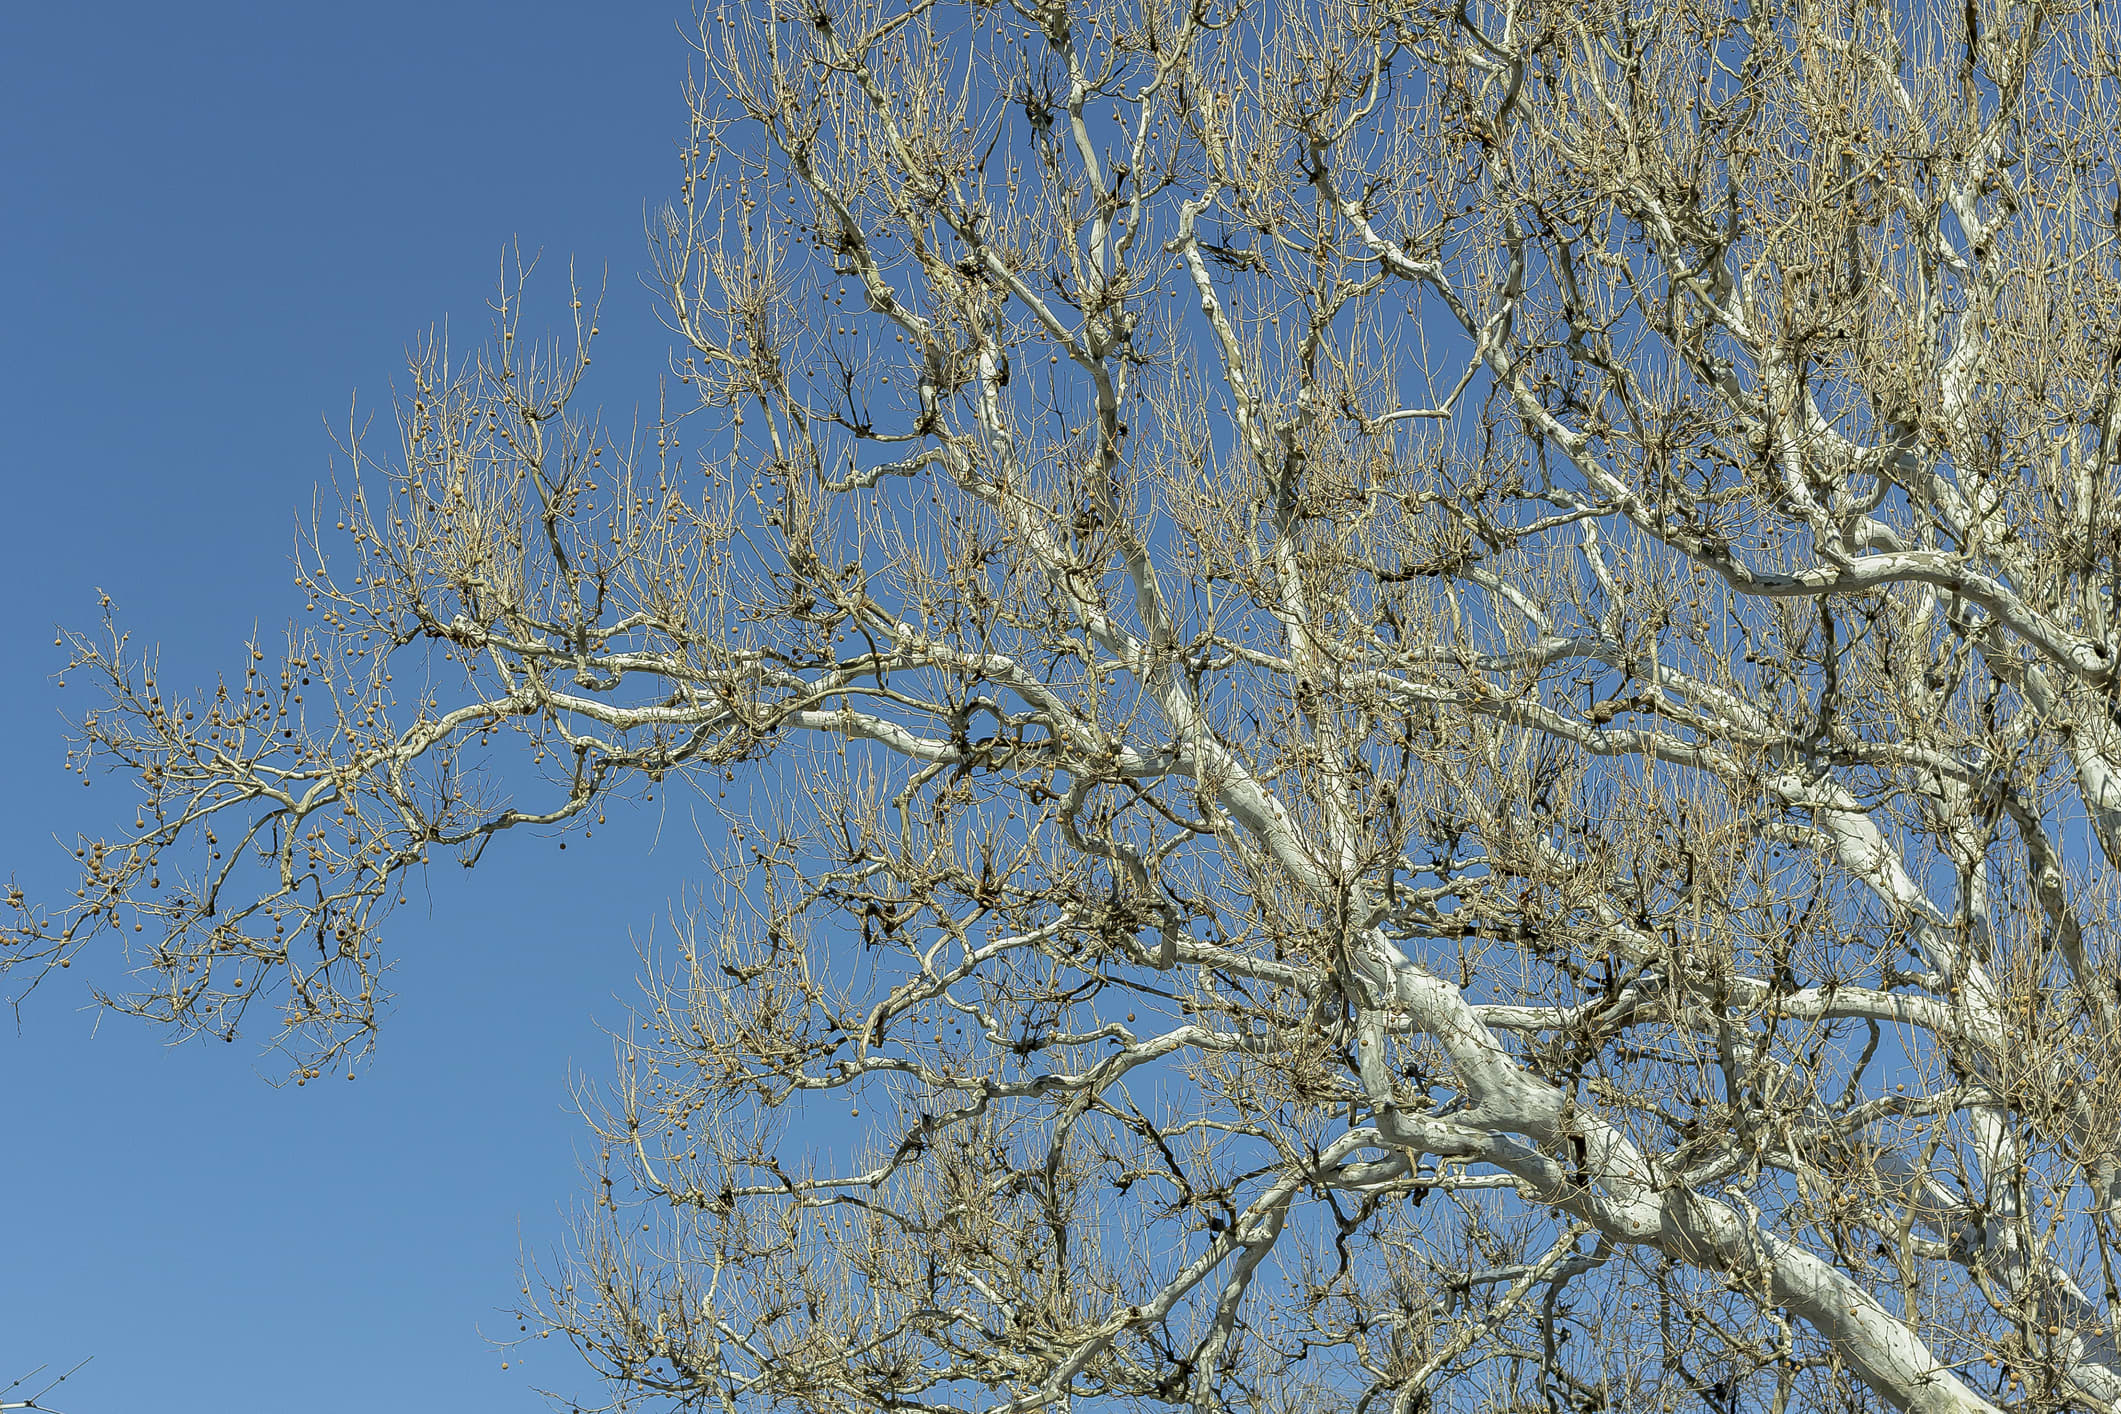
x: 1419, y: 703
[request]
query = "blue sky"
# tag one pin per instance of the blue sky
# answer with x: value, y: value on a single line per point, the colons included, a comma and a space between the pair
x: 223, y: 221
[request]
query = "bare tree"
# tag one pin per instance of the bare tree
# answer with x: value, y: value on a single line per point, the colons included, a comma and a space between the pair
x: 1429, y: 699
x: 28, y: 1398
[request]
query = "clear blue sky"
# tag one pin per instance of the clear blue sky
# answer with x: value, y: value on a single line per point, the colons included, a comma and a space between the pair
x: 221, y: 221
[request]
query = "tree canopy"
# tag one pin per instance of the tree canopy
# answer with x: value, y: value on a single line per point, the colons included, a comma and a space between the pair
x: 1421, y: 700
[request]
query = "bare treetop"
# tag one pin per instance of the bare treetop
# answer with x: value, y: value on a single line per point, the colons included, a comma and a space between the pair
x: 1429, y: 703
